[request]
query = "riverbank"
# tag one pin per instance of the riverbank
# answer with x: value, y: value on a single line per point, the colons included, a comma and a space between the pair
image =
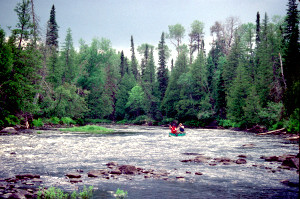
x: 258, y: 130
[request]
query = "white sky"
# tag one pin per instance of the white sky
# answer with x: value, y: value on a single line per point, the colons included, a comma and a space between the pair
x: 117, y: 20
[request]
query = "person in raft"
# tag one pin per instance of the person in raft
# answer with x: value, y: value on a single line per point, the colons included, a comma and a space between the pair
x: 173, y: 128
x: 181, y: 128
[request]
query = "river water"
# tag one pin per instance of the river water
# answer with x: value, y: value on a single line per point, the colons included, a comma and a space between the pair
x: 52, y: 154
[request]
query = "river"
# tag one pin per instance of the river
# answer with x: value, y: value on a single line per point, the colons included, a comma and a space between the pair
x: 52, y: 154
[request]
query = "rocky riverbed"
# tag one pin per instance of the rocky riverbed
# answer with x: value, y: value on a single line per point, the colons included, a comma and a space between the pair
x: 147, y: 163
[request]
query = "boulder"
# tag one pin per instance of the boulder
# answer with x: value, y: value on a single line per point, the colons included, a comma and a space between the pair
x: 241, y: 161
x: 75, y: 180
x: 73, y: 175
x: 27, y: 176
x: 116, y: 172
x: 111, y: 164
x: 97, y: 173
x: 9, y: 130
x: 201, y: 159
x: 128, y: 169
x: 291, y: 162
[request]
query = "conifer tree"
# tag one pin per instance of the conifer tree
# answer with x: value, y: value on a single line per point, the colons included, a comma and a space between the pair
x: 134, y: 63
x: 68, y: 59
x: 52, y: 30
x: 55, y: 71
x: 162, y: 72
x: 291, y: 66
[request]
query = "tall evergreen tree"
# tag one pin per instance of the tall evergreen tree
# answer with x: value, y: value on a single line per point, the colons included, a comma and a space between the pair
x: 134, y: 63
x: 68, y: 59
x: 52, y: 30
x: 291, y: 66
x: 162, y: 72
x: 122, y: 64
x: 257, y: 28
x: 172, y: 95
x: 54, y: 70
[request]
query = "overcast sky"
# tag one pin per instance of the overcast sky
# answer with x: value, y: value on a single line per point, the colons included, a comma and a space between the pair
x: 117, y: 20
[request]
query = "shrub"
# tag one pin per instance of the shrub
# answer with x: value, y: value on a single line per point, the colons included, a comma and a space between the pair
x: 51, y: 193
x: 166, y: 121
x: 124, y: 121
x: 54, y: 120
x: 12, y: 120
x: 67, y: 120
x: 142, y: 120
x: 120, y: 194
x: 293, y: 123
x: 271, y: 114
x: 194, y: 123
x: 38, y: 122
x: 56, y: 193
x: 86, y: 192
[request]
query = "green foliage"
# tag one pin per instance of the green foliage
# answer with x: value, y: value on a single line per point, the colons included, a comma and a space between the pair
x: 38, y: 122
x: 86, y: 192
x: 89, y: 129
x: 194, y: 123
x: 67, y: 120
x: 142, y: 119
x: 12, y: 120
x: 56, y: 193
x: 271, y: 114
x: 54, y: 120
x: 136, y: 102
x: 293, y: 123
x: 101, y: 121
x: 51, y: 193
x: 121, y: 194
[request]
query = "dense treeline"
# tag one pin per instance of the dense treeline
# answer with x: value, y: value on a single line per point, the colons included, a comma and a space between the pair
x: 250, y: 75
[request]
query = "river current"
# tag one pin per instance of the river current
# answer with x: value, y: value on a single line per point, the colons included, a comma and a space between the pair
x: 52, y: 154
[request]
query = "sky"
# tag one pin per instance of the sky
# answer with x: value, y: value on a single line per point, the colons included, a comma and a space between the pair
x: 145, y: 20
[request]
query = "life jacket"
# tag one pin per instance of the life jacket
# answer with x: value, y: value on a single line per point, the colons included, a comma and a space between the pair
x: 173, y: 129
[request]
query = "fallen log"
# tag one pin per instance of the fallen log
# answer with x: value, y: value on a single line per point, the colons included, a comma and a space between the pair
x: 294, y: 138
x: 273, y: 132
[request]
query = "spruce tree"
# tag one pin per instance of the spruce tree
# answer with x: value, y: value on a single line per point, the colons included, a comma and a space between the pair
x: 68, y: 59
x: 52, y: 30
x: 134, y: 63
x: 291, y: 66
x: 162, y: 72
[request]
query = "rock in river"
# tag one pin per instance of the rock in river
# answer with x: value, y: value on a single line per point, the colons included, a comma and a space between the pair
x: 73, y: 175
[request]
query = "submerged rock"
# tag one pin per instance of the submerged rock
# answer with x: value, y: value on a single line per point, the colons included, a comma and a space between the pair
x: 241, y: 161
x: 73, y: 175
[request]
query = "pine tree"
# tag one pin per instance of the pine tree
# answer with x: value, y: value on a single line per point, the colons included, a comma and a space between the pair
x: 122, y: 64
x: 55, y: 71
x: 68, y: 59
x: 257, y: 28
x: 291, y: 66
x: 7, y: 100
x: 134, y: 63
x: 172, y: 95
x: 162, y: 72
x: 52, y: 30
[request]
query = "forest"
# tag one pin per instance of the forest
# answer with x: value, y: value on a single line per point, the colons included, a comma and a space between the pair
x: 249, y: 77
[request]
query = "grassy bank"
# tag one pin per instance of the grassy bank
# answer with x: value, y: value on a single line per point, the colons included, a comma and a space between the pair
x: 89, y: 129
